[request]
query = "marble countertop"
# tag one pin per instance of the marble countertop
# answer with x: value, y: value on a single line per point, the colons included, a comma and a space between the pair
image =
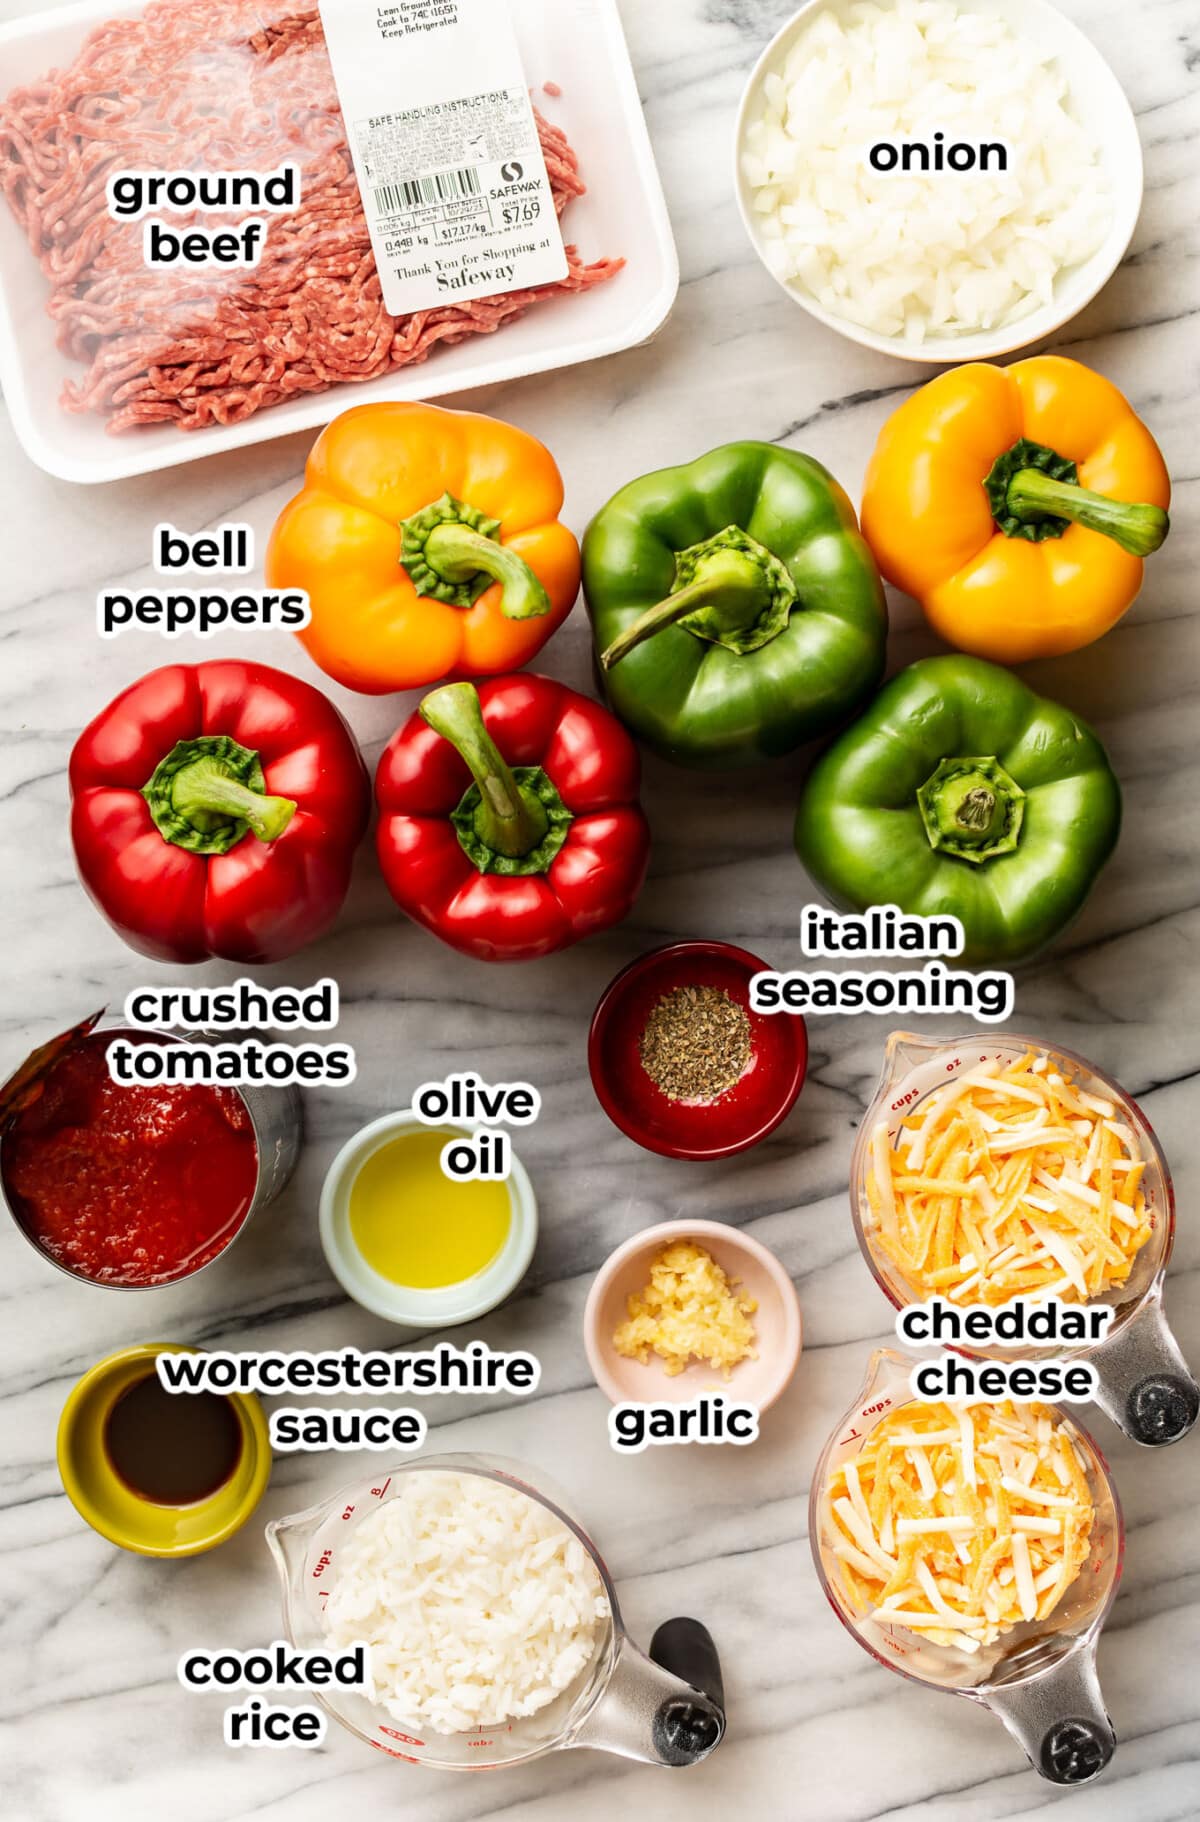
x: 97, y: 1727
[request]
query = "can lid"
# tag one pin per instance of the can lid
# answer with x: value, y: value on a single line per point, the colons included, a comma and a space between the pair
x: 25, y: 1085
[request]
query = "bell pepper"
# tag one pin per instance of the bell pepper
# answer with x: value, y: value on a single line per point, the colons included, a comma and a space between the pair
x: 1017, y: 505
x: 737, y: 611
x: 430, y: 547
x: 215, y: 812
x: 510, y: 824
x: 961, y: 793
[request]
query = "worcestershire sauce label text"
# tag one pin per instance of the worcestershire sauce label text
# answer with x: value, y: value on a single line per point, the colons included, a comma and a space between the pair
x: 446, y: 149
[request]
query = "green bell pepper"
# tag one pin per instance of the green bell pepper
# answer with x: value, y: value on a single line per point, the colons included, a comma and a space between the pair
x: 961, y: 793
x: 737, y: 610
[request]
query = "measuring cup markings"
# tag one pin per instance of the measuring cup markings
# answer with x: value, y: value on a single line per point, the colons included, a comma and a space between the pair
x: 913, y: 1097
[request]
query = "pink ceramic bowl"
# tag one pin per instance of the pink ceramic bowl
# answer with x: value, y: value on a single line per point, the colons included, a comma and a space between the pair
x: 749, y: 1266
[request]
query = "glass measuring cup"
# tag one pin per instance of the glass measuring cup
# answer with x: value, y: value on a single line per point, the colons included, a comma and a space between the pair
x: 1145, y: 1385
x: 1040, y: 1677
x: 662, y: 1709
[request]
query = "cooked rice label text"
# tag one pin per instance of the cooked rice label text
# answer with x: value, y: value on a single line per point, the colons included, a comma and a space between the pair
x: 278, y: 1666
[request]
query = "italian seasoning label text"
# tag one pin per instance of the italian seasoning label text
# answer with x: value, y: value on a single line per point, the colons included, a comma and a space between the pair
x: 885, y: 931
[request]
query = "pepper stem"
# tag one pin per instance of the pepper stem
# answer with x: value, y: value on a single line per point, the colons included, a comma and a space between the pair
x: 208, y: 793
x: 972, y: 810
x: 203, y: 789
x: 1137, y: 527
x: 453, y: 553
x: 509, y: 819
x: 732, y: 588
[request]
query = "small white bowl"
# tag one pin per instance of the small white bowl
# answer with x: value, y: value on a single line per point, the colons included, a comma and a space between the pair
x: 1098, y: 102
x: 421, y: 1309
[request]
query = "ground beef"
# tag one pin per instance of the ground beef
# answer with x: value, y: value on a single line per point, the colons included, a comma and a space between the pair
x: 220, y: 85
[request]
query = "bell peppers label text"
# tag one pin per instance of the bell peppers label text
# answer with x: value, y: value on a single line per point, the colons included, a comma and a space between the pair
x: 885, y: 931
x: 203, y: 613
x: 248, y: 1063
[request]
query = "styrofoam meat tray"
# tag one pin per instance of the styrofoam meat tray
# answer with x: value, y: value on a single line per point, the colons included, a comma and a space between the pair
x: 578, y: 45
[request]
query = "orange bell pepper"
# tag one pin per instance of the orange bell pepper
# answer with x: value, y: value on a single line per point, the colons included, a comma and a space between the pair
x: 1016, y: 504
x: 430, y: 546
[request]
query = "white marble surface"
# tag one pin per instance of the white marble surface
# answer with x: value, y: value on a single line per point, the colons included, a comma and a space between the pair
x: 96, y: 1725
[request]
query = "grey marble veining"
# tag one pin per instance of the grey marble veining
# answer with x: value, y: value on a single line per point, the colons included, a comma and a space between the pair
x: 96, y: 1725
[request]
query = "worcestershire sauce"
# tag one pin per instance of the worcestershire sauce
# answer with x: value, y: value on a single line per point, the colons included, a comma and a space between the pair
x: 172, y: 1450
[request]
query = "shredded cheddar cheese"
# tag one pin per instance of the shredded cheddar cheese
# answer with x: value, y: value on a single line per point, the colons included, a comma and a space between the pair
x: 688, y: 1311
x: 959, y: 1524
x: 1010, y: 1179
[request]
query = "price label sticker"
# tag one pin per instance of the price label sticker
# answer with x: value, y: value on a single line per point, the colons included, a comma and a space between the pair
x: 446, y: 149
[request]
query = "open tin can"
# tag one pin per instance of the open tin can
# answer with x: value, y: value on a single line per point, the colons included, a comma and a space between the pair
x: 275, y: 1117
x: 1144, y: 1383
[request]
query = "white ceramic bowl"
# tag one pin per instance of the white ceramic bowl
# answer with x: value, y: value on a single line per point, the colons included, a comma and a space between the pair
x: 1098, y: 102
x: 420, y: 1309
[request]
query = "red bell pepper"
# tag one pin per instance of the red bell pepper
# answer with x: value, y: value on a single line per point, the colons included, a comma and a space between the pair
x: 215, y: 812
x: 510, y: 818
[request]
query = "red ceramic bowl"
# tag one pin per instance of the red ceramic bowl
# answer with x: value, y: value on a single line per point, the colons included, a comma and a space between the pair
x: 754, y: 1107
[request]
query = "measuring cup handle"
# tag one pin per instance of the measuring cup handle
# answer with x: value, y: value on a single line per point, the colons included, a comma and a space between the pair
x: 650, y: 1714
x: 1059, y: 1718
x: 686, y: 1649
x: 1145, y: 1385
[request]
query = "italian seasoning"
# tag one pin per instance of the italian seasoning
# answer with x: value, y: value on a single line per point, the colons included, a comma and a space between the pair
x: 696, y: 1043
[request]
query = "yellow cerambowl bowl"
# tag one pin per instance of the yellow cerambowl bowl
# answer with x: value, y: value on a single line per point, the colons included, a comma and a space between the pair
x: 102, y: 1498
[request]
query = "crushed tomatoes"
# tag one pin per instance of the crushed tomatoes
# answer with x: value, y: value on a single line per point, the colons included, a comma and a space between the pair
x: 129, y: 1185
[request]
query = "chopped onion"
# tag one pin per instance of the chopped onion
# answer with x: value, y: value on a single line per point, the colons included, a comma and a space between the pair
x: 918, y: 253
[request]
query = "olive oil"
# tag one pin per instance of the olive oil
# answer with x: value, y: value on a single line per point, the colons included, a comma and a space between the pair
x: 417, y: 1227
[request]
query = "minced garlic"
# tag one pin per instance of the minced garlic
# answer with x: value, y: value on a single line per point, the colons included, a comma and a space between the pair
x: 688, y: 1311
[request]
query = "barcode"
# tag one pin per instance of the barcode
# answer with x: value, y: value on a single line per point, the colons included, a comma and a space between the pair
x: 446, y: 186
